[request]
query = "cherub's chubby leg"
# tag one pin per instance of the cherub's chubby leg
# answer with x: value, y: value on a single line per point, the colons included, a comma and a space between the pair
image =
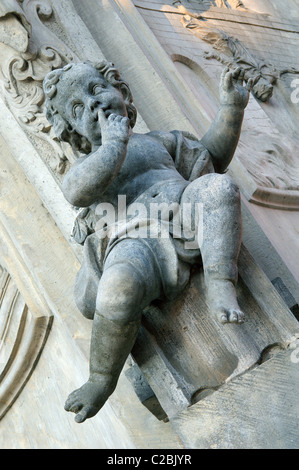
x: 129, y: 283
x: 220, y: 240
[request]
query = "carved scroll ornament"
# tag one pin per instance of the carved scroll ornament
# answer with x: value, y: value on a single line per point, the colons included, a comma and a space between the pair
x: 25, y: 67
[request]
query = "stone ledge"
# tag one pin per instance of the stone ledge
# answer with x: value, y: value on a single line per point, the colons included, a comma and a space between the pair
x: 258, y: 410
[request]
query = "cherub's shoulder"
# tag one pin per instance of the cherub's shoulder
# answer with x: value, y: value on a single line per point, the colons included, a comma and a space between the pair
x: 168, y: 139
x: 162, y: 135
x: 174, y: 140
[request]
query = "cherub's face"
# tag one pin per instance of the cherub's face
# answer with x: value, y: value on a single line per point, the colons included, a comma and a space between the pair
x: 81, y: 92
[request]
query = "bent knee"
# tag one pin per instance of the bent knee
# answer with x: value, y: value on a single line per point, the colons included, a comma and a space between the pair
x: 120, y: 293
x: 228, y: 190
x: 218, y: 188
x: 86, y: 307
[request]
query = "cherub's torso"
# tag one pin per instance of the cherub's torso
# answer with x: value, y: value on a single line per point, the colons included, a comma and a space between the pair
x: 148, y: 166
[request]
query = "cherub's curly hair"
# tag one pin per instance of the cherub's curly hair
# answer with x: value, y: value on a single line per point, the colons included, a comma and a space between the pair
x: 62, y: 128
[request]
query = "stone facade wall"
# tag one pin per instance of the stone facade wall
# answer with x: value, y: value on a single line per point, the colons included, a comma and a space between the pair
x: 172, y: 54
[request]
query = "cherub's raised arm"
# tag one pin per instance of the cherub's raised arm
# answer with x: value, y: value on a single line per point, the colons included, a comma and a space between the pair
x: 87, y: 180
x: 222, y: 138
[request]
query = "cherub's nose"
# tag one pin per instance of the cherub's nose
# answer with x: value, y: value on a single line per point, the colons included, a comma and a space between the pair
x: 93, y: 104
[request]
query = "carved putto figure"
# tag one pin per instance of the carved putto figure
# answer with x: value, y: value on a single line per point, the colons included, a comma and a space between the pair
x: 128, y: 262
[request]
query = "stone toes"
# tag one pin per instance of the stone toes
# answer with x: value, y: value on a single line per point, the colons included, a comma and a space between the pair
x: 230, y: 316
x: 233, y: 317
x: 81, y: 417
x: 222, y: 317
x: 236, y: 316
x: 241, y: 317
x: 76, y: 408
x: 72, y: 404
x: 86, y: 412
x: 68, y: 404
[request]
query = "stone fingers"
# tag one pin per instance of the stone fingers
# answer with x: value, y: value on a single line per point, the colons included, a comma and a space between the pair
x: 238, y: 75
x: 250, y: 84
x: 226, y: 79
x: 223, y: 75
x: 102, y: 118
x: 118, y: 118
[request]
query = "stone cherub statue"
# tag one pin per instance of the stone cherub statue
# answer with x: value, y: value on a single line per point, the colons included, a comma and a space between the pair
x: 124, y: 270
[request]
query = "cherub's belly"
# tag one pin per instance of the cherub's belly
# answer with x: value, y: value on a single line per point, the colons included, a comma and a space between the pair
x: 147, y: 164
x: 160, y: 184
x: 162, y: 192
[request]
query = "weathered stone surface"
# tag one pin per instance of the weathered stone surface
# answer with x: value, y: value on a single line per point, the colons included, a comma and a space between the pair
x: 144, y: 392
x: 188, y: 352
x: 126, y: 268
x: 23, y: 331
x: 259, y: 410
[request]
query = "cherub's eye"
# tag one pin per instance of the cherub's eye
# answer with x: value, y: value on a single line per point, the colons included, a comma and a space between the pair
x: 98, y: 88
x: 77, y: 109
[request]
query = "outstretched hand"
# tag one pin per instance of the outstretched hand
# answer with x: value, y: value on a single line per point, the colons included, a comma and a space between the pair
x: 232, y: 90
x: 115, y: 128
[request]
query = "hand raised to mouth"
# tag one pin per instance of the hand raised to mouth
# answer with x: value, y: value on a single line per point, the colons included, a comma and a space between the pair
x: 114, y: 128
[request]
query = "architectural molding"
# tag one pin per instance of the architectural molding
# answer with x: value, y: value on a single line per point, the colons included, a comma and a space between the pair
x: 24, y: 327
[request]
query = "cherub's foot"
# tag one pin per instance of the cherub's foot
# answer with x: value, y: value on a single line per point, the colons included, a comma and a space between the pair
x: 227, y: 315
x: 223, y: 302
x: 87, y: 400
